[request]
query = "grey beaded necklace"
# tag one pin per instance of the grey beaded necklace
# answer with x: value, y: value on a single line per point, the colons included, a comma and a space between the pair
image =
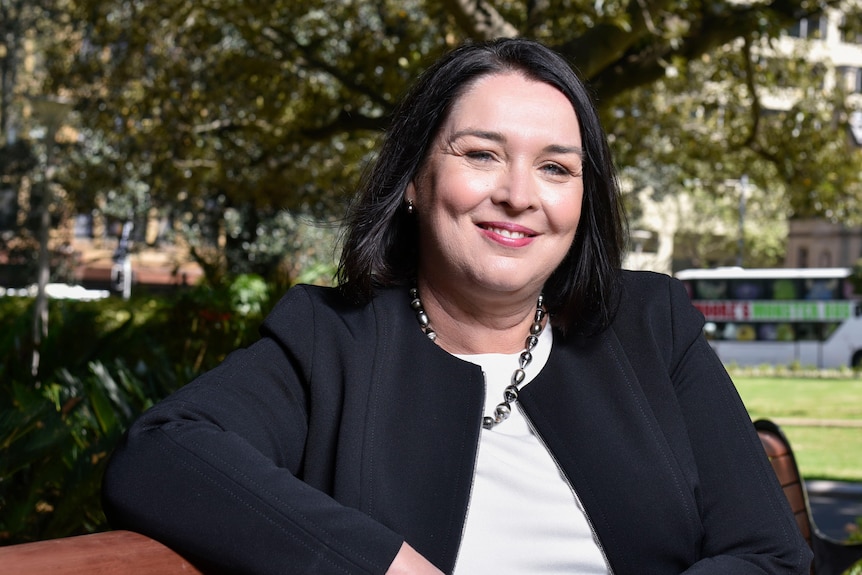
x: 510, y: 394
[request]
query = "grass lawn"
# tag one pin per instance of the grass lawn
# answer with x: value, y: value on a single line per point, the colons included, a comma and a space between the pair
x: 821, y: 417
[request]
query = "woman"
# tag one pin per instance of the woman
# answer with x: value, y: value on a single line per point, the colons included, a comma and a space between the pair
x: 485, y: 391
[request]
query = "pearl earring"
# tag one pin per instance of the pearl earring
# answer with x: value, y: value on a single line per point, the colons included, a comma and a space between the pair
x: 410, y: 207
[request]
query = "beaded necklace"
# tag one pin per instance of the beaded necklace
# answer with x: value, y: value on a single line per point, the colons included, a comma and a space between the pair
x: 510, y: 394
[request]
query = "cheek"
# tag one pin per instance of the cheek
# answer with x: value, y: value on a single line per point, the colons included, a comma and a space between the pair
x: 452, y: 192
x: 564, y: 210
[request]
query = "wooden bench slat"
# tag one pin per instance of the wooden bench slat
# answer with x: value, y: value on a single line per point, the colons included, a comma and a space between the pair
x: 106, y: 553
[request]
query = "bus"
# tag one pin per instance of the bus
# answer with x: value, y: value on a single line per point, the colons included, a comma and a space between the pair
x: 781, y: 316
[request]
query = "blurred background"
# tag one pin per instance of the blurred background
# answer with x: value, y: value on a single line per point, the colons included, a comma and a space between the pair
x: 168, y: 168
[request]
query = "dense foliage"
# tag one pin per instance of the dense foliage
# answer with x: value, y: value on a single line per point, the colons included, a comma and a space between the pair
x: 103, y: 363
x: 202, y: 110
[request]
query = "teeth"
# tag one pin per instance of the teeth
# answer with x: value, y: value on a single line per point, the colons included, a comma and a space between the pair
x: 508, y: 233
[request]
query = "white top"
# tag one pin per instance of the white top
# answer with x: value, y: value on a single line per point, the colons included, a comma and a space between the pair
x: 523, y: 517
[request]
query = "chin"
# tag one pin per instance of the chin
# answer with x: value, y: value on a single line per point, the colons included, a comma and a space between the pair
x: 510, y: 285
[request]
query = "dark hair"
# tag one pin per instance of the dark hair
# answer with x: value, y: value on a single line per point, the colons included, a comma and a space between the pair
x: 380, y: 240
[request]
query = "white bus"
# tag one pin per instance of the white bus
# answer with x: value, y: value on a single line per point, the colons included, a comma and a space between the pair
x: 782, y: 316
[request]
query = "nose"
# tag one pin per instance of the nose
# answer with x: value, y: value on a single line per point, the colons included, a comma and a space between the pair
x: 516, y: 189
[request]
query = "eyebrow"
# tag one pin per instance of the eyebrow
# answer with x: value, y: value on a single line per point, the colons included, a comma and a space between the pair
x: 500, y: 138
x: 484, y: 134
x: 560, y: 149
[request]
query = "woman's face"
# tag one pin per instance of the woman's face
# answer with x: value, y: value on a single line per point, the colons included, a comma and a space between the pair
x: 499, y: 197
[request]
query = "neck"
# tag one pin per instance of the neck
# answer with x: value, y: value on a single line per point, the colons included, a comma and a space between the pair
x: 472, y: 325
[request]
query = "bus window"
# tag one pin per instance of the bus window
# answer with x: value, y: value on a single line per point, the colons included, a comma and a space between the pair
x: 767, y: 332
x: 711, y: 289
x: 746, y: 332
x: 807, y: 332
x: 784, y: 332
x: 784, y: 289
x: 747, y: 289
x: 821, y: 289
x: 729, y: 331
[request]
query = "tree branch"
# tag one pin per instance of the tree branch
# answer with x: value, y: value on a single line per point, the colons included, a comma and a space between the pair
x: 479, y: 19
x: 755, y: 97
x: 615, y: 60
x: 609, y: 45
x: 346, y: 122
x: 312, y: 61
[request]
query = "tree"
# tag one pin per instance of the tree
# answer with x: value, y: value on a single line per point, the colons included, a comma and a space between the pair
x: 705, y: 126
x: 24, y: 111
x: 262, y: 106
x: 17, y: 156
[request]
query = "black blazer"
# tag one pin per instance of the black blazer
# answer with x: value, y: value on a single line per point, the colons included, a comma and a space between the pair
x: 344, y: 431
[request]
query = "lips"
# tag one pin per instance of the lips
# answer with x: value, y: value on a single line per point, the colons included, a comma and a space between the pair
x: 509, y: 231
x: 507, y: 234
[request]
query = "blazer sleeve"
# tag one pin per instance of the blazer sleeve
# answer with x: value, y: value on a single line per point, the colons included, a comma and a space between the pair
x: 214, y: 470
x: 747, y: 522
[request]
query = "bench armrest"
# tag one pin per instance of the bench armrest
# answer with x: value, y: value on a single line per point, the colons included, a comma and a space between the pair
x: 96, y: 554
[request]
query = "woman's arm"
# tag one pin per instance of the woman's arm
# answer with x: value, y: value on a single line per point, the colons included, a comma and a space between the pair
x: 748, y: 525
x: 213, y: 471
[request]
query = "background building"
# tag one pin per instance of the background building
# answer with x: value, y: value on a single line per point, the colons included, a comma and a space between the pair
x: 816, y: 243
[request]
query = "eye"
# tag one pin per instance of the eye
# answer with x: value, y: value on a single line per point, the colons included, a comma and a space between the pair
x: 558, y: 171
x: 555, y: 169
x: 480, y: 155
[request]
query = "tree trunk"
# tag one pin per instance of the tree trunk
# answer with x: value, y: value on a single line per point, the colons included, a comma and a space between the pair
x: 40, y: 310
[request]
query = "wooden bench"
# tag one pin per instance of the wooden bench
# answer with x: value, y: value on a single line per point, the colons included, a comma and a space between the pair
x: 831, y: 557
x: 109, y: 553
x: 115, y: 552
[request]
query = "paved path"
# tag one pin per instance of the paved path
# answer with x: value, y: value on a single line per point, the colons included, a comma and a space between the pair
x: 835, y: 505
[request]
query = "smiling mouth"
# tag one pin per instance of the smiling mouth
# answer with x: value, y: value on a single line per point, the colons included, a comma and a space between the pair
x: 511, y: 234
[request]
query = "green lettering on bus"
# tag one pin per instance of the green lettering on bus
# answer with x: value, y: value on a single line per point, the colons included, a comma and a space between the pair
x: 800, y: 311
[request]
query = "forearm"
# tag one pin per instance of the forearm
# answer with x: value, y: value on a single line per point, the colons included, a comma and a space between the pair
x: 207, y: 494
x: 748, y: 525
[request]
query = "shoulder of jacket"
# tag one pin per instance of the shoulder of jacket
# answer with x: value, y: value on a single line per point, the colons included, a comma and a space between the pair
x: 642, y: 278
x: 639, y: 287
x: 656, y: 299
x: 328, y: 306
x: 646, y: 293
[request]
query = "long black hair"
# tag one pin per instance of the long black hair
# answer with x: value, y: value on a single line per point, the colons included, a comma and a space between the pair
x: 380, y: 239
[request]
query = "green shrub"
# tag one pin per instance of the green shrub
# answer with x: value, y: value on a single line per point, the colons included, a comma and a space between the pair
x: 855, y: 532
x: 101, y: 365
x: 55, y: 440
